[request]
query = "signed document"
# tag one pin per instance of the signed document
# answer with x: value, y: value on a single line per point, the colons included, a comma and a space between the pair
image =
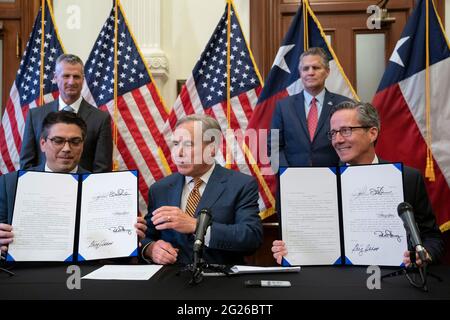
x: 310, y: 216
x: 44, y: 217
x: 374, y: 233
x: 109, y: 206
x: 366, y: 230
x: 53, y: 221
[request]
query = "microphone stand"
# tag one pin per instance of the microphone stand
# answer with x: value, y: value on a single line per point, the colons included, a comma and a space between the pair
x: 200, y: 265
x: 5, y: 270
x: 414, y: 270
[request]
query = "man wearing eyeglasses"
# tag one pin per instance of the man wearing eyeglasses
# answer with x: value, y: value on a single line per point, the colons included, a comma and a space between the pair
x: 97, y: 151
x: 354, y: 131
x: 62, y: 141
x: 302, y: 119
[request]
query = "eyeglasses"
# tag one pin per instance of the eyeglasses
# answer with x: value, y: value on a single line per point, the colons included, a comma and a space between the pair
x: 59, y: 142
x: 344, y: 131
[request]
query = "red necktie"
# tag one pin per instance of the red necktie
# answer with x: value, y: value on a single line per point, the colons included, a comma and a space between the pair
x: 312, y: 119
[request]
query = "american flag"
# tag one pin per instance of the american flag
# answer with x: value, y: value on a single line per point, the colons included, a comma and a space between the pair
x: 205, y: 91
x: 25, y: 91
x: 140, y: 111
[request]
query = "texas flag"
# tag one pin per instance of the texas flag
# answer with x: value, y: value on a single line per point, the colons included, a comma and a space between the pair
x: 284, y: 78
x: 411, y: 119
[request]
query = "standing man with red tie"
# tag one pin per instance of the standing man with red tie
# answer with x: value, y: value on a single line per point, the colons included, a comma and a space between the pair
x: 303, y: 119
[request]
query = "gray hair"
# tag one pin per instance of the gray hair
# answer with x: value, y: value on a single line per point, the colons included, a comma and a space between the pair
x: 210, y: 126
x: 316, y: 51
x: 367, y: 114
x: 70, y: 59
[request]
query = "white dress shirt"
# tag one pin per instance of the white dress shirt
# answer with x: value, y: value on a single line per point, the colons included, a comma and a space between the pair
x: 75, y: 106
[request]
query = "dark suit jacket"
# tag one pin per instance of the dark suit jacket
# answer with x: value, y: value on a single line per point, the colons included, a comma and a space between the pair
x: 416, y: 195
x: 97, y: 150
x: 295, y: 146
x: 8, y: 183
x: 236, y: 228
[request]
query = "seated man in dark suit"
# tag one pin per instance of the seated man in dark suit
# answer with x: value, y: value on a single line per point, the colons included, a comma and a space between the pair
x: 354, y: 131
x: 62, y: 141
x: 302, y: 120
x: 97, y: 151
x: 174, y: 202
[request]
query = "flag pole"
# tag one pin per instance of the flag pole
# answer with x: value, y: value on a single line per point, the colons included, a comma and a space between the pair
x: 429, y: 169
x: 305, y: 25
x: 41, y: 72
x: 227, y: 145
x: 115, y: 115
x: 252, y: 161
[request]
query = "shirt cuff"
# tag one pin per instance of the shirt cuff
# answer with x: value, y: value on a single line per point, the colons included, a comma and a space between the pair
x: 208, y: 236
x: 148, y: 260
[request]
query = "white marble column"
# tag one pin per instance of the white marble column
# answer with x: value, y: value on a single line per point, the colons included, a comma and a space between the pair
x: 144, y: 17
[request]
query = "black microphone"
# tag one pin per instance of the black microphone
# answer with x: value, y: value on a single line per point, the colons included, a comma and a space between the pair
x: 405, y: 212
x: 203, y: 222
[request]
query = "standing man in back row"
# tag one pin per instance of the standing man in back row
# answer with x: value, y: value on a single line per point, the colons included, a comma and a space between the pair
x: 303, y: 119
x: 97, y: 152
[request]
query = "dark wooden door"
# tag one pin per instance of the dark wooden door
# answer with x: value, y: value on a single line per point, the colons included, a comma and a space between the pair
x: 16, y: 22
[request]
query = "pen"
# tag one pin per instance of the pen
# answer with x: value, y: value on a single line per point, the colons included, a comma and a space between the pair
x: 267, y: 284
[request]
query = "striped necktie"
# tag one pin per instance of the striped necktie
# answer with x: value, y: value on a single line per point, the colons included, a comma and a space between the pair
x: 194, y: 198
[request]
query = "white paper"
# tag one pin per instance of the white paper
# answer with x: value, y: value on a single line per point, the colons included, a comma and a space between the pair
x: 119, y: 272
x: 255, y: 269
x: 309, y: 215
x: 109, y: 208
x: 44, y: 217
x: 374, y: 233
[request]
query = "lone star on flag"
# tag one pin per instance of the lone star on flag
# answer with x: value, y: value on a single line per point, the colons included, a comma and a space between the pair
x: 279, y: 59
x: 395, y: 56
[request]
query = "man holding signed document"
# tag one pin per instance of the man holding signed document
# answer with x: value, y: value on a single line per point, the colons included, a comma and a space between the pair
x: 62, y: 138
x: 354, y: 129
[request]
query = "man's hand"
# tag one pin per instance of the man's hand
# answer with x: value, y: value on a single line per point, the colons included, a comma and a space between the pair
x: 279, y: 250
x: 419, y: 262
x: 173, y: 218
x: 161, y: 252
x: 6, y: 236
x: 141, y: 227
